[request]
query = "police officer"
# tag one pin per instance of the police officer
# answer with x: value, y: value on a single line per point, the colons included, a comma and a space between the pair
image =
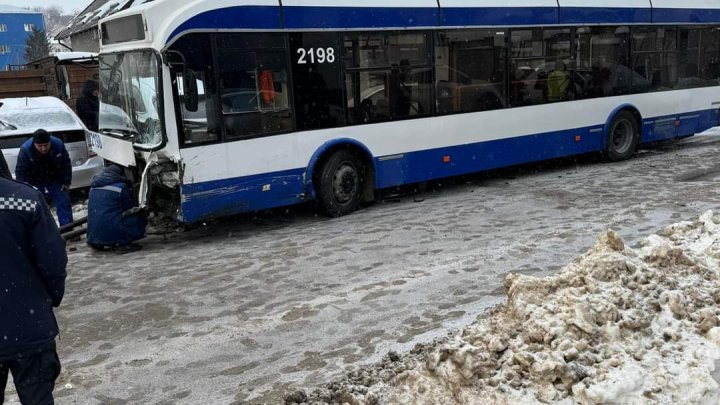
x: 32, y: 282
x: 44, y: 162
x: 4, y: 171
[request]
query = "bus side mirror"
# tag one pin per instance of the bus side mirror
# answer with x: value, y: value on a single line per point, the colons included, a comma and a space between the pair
x: 190, y: 90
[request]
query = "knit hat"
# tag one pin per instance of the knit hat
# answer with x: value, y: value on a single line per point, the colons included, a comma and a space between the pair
x: 41, y: 136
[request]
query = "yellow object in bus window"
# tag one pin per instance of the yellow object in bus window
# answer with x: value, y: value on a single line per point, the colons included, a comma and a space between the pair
x: 557, y: 83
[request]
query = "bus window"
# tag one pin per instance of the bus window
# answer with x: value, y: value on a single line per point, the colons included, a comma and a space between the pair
x: 200, y: 126
x: 388, y: 77
x: 654, y: 58
x: 541, y: 69
x: 470, y: 70
x: 601, y: 55
x: 253, y: 84
x: 699, y: 64
x: 710, y: 43
x: 382, y: 50
x: 317, y: 81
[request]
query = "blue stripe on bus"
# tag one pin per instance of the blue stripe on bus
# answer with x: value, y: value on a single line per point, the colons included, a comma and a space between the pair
x: 682, y: 15
x: 270, y: 190
x: 609, y: 15
x: 243, y: 194
x: 469, y: 16
x: 359, y: 17
x: 249, y: 17
x: 679, y: 125
x: 463, y: 159
x: 296, y: 17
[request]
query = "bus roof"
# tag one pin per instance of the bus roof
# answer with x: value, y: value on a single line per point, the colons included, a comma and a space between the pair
x: 166, y: 20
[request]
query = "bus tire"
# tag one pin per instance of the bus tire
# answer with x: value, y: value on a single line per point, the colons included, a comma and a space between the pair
x: 340, y: 184
x: 622, y: 137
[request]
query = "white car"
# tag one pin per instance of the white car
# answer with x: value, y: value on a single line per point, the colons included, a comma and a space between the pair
x: 20, y: 117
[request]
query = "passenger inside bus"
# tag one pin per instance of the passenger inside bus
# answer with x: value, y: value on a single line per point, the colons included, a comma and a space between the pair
x: 599, y: 82
x: 400, y: 94
x: 558, y: 83
x: 518, y: 88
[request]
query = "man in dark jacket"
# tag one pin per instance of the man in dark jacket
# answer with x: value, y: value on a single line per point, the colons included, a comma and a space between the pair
x: 32, y: 281
x: 4, y: 170
x: 111, y: 222
x: 44, y: 162
x: 87, y: 105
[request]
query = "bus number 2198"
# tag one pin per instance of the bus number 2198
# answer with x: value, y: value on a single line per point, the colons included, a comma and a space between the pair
x: 316, y: 55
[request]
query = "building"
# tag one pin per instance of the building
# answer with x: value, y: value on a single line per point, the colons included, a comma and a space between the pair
x: 55, y: 45
x: 16, y: 25
x: 82, y: 32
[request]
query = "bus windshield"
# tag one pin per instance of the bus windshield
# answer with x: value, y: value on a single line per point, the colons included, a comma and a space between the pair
x: 129, y: 97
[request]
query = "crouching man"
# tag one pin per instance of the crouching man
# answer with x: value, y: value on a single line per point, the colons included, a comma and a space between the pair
x: 32, y: 282
x: 112, y: 224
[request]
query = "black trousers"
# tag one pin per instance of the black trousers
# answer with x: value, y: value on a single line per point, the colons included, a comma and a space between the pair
x: 34, y: 377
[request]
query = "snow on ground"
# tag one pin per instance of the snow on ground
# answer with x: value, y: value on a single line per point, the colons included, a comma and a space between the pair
x: 617, y: 325
x: 246, y: 309
x: 711, y: 131
x: 79, y: 209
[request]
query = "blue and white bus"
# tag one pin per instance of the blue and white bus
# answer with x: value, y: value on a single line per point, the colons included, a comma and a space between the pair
x: 228, y: 106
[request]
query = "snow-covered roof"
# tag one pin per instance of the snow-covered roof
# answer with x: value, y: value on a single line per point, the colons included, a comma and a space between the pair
x: 89, y: 17
x: 28, y: 114
x: 7, y: 9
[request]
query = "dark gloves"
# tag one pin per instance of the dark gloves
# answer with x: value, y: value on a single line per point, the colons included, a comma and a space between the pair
x: 132, y: 211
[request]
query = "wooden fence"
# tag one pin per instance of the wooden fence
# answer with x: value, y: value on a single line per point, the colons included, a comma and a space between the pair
x: 22, y: 83
x: 41, y: 79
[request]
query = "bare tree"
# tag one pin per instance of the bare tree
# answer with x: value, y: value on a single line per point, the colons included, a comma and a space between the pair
x: 54, y: 17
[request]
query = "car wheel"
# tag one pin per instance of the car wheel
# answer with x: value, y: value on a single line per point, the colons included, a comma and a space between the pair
x: 340, y: 183
x: 622, y: 137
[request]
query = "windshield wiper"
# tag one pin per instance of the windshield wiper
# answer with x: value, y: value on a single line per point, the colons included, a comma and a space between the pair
x: 121, y: 133
x: 8, y: 125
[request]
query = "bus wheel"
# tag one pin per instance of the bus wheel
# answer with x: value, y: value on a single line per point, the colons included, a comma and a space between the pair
x: 340, y: 183
x: 622, y: 137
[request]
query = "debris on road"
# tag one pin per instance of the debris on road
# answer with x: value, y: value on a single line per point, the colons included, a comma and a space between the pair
x: 619, y: 324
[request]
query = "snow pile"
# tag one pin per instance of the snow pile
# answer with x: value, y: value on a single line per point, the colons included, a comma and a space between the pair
x: 616, y: 325
x: 80, y: 209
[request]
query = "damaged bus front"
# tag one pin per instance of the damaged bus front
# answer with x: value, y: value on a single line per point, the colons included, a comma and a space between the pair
x: 132, y: 130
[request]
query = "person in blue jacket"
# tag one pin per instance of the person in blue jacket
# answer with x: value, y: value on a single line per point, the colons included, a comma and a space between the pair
x: 32, y: 282
x: 43, y: 162
x: 113, y: 219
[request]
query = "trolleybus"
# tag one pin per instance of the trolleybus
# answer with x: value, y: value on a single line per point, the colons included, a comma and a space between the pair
x: 228, y: 106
